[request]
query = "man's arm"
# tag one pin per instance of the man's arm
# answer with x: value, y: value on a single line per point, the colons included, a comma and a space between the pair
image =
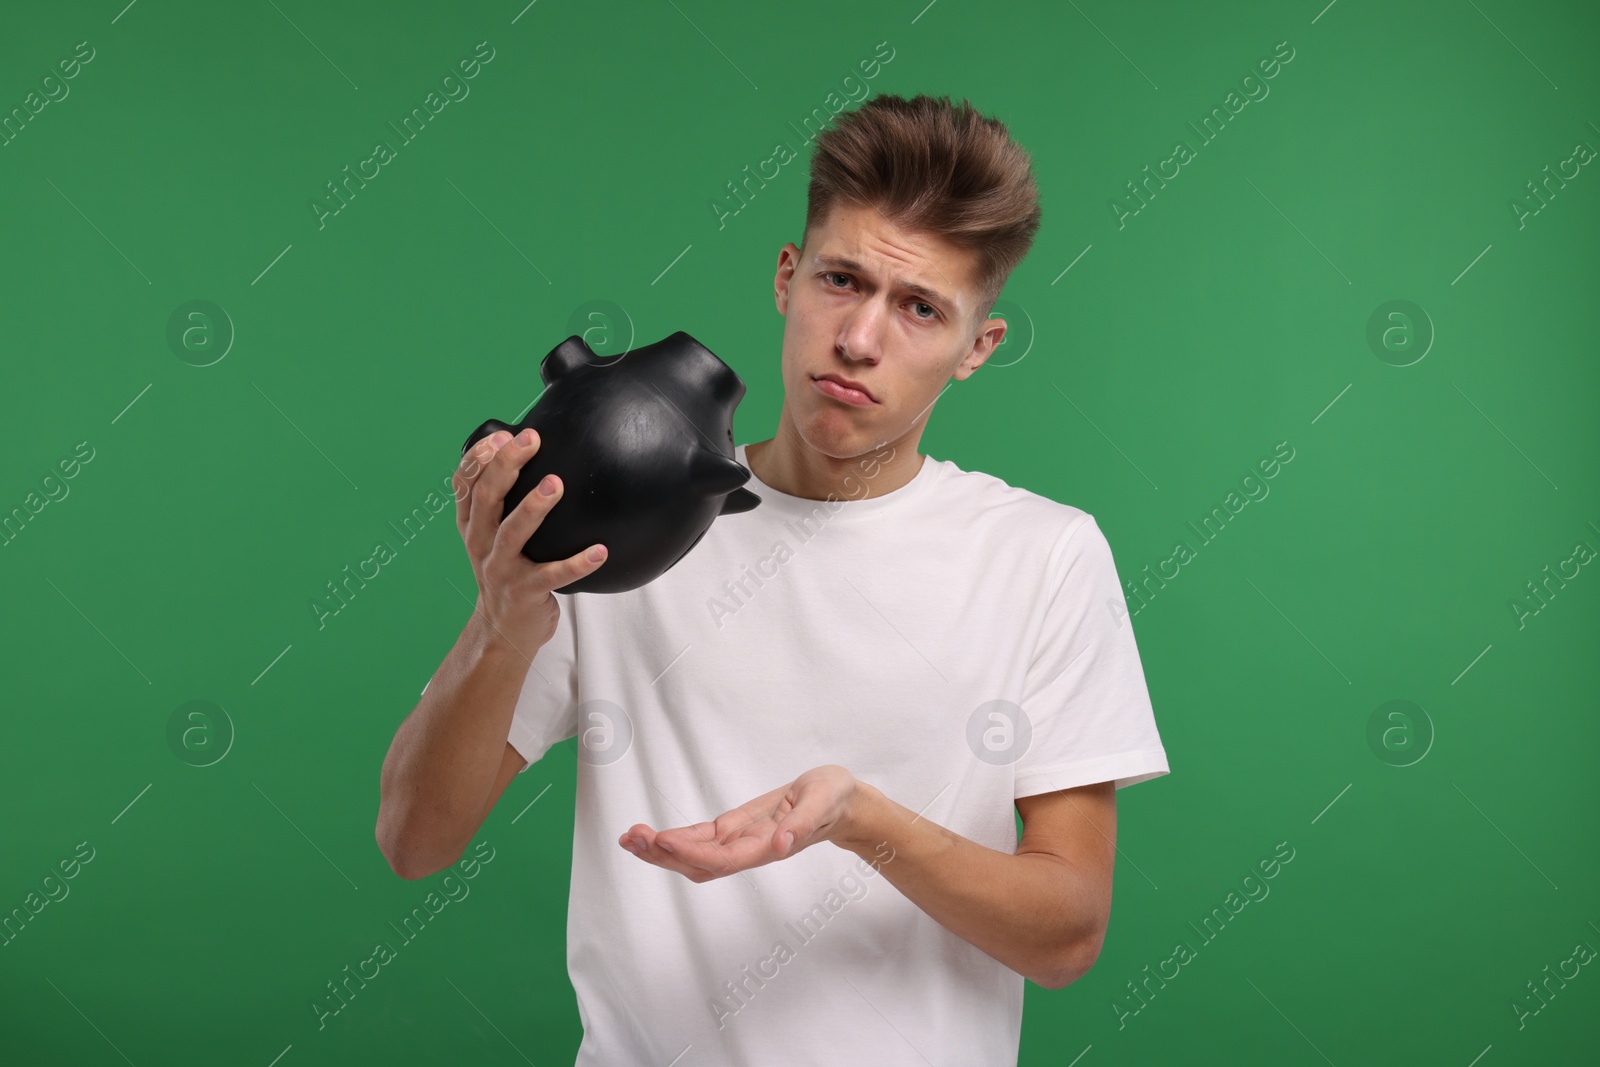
x: 1042, y: 911
x: 450, y: 761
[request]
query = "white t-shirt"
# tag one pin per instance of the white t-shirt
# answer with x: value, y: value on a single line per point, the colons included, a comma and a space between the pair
x: 957, y: 643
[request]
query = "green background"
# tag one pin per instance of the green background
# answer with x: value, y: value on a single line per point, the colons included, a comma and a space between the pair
x: 1437, y: 869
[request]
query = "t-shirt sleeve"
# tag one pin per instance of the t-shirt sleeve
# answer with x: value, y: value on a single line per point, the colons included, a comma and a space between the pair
x: 1084, y: 694
x: 547, y: 707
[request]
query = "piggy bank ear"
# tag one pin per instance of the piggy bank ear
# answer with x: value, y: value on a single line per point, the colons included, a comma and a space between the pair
x: 713, y: 474
x: 566, y: 357
x: 739, y: 500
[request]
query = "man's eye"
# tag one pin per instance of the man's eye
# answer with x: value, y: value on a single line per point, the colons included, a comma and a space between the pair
x: 931, y: 312
x: 835, y: 274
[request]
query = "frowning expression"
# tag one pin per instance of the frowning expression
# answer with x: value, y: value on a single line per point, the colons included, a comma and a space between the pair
x: 878, y: 319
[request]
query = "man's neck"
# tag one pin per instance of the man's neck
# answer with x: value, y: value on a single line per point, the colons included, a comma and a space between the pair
x: 786, y: 463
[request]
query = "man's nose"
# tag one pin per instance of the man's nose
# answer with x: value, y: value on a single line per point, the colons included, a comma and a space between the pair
x: 859, y: 336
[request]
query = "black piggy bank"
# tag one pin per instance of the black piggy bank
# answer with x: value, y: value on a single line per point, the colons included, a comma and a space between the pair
x: 643, y: 444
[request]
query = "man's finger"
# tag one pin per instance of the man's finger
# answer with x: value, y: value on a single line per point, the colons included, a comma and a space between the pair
x: 652, y: 852
x: 790, y: 832
x: 489, y: 492
x: 717, y: 858
x: 469, y: 470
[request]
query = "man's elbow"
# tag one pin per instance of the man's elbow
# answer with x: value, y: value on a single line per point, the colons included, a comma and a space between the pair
x: 405, y: 861
x: 398, y: 862
x: 402, y: 866
x: 1073, y: 963
x: 411, y: 868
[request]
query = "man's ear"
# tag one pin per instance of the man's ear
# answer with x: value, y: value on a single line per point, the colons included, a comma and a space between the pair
x: 788, y: 259
x: 990, y: 333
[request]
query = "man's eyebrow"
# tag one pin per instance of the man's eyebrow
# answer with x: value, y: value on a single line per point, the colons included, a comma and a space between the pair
x: 845, y: 263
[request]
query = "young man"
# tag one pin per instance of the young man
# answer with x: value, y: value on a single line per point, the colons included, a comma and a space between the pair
x: 889, y: 655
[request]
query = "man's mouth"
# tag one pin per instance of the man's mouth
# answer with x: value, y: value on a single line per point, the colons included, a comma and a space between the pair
x: 843, y: 389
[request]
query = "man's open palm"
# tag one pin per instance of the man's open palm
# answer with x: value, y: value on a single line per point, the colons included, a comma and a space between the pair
x: 773, y: 826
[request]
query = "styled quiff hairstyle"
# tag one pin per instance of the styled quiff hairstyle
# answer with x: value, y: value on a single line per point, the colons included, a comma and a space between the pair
x: 933, y: 167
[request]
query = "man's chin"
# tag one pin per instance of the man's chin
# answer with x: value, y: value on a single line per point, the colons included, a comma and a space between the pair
x: 824, y: 435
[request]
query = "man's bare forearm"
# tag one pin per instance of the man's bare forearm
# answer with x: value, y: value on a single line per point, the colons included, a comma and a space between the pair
x: 444, y: 758
x: 1027, y: 910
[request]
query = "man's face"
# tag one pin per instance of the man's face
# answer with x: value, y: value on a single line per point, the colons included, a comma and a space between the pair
x: 887, y: 308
